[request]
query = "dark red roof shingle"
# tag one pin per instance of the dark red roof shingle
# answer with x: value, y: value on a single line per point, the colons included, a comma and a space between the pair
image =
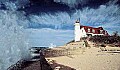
x: 93, y: 30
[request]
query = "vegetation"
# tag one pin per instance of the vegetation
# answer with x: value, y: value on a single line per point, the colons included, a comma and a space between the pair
x: 115, y: 39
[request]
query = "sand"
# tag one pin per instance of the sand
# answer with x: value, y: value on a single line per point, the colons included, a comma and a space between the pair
x: 91, y: 59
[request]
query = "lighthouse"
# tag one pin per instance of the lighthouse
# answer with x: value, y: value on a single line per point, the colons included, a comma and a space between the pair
x: 77, y: 31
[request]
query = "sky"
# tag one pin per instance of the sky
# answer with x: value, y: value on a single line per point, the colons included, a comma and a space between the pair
x: 61, y: 14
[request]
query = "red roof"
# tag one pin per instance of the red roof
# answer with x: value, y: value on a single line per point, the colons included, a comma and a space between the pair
x: 93, y: 30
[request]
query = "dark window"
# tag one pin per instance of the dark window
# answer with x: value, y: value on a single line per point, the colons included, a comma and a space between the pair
x: 98, y: 31
x: 82, y: 30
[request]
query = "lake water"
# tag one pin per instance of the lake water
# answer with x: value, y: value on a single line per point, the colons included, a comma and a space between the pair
x: 48, y: 37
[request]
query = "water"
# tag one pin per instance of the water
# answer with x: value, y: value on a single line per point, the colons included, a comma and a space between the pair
x: 50, y: 37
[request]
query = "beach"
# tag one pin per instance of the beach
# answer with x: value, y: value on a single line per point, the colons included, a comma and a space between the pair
x: 91, y: 59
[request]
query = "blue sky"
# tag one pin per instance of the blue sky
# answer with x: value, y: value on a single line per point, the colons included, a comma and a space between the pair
x: 61, y: 14
x: 105, y: 14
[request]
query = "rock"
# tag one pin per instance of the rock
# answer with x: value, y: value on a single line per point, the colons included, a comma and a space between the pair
x: 57, y: 68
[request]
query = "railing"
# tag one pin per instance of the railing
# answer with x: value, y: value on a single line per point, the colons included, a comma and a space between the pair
x: 55, y: 53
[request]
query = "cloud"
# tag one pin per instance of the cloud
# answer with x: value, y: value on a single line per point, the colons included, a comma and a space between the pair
x: 106, y: 16
x: 13, y: 4
x: 71, y: 2
x: 88, y: 3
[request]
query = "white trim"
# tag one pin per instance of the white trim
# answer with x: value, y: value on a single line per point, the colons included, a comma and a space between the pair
x: 97, y: 34
x: 94, y: 34
x: 93, y: 30
x: 88, y: 29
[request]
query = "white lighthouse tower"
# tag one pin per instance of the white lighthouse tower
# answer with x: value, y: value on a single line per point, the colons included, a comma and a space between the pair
x: 77, y: 31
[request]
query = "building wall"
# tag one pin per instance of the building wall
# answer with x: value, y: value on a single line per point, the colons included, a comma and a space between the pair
x: 77, y: 32
x: 83, y: 33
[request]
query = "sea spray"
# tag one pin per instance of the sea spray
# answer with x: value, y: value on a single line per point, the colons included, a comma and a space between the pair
x: 13, y: 41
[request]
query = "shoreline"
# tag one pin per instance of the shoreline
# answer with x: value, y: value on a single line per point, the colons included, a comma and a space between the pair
x: 79, y: 56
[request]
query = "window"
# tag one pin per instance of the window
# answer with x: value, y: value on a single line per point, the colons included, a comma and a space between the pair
x: 98, y: 31
x: 101, y: 31
x: 82, y: 30
x: 88, y: 30
x: 93, y: 30
x: 105, y: 32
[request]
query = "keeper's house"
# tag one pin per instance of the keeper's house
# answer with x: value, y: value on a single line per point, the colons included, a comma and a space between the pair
x: 87, y: 31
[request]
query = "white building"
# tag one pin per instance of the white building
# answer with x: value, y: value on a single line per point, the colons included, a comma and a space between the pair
x: 86, y: 31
